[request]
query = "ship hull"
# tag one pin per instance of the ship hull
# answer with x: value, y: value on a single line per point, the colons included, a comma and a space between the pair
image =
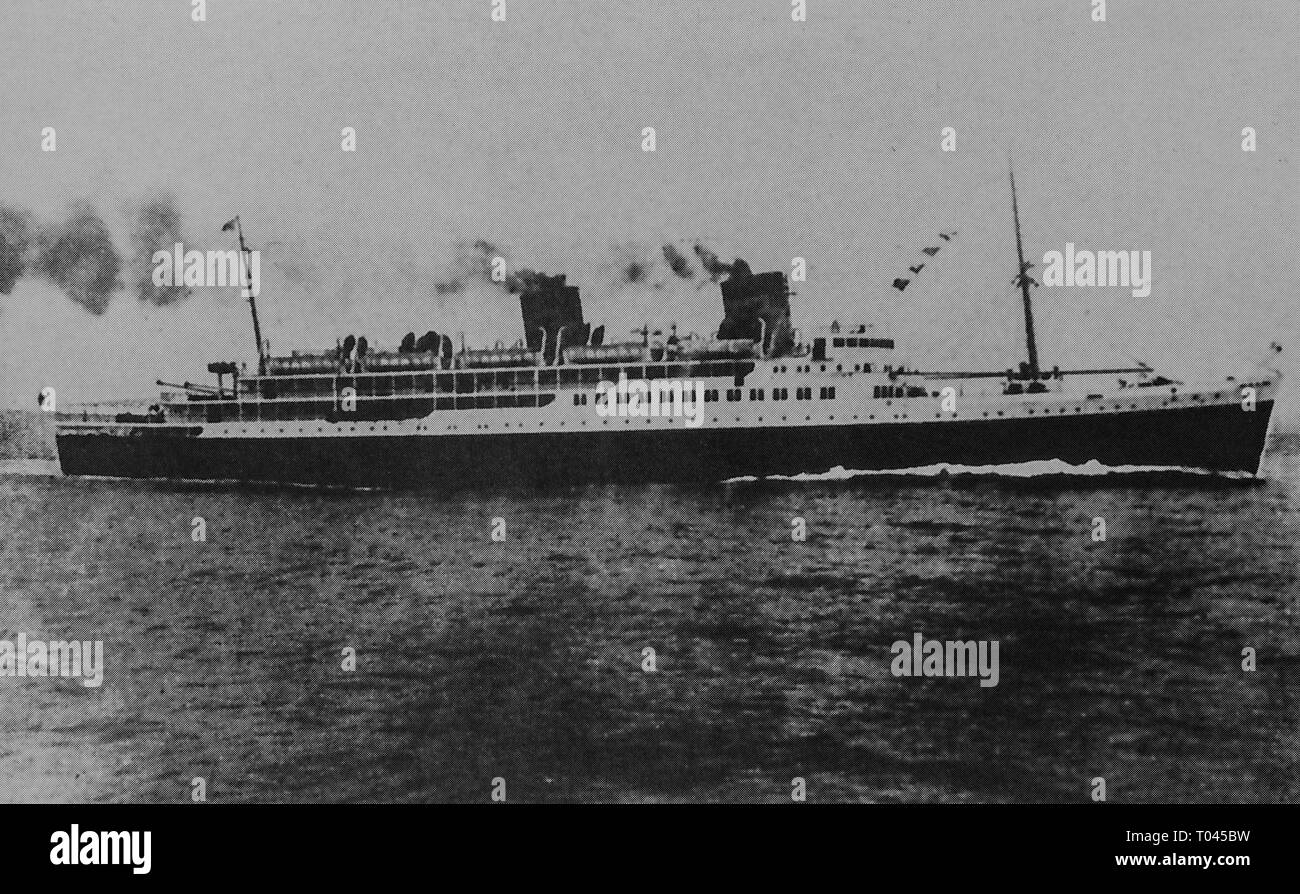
x: 1217, y: 438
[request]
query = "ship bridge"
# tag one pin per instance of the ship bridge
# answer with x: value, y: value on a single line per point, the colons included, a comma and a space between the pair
x: 868, y: 349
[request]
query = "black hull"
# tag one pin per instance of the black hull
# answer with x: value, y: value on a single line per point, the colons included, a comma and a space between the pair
x: 1220, y: 438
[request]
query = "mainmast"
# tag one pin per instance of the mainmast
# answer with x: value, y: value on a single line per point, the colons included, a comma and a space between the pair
x: 1023, y: 279
x: 1029, y: 371
x: 247, y: 283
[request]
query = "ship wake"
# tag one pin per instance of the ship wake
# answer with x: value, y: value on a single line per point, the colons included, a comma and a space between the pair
x: 1037, y: 470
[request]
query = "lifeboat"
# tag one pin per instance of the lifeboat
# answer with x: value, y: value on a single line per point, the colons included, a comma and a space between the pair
x: 628, y: 352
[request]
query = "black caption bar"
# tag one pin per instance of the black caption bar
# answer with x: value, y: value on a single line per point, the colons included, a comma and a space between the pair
x: 142, y: 844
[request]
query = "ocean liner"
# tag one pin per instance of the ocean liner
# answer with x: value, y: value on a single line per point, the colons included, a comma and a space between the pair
x: 562, y: 405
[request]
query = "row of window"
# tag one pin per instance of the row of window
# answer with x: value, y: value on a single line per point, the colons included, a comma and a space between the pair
x: 899, y: 391
x: 839, y: 368
x: 733, y: 394
x: 667, y: 398
x: 756, y: 394
x: 401, y: 408
x: 391, y: 408
x: 887, y: 343
x: 470, y: 382
x: 496, y: 381
x: 711, y: 395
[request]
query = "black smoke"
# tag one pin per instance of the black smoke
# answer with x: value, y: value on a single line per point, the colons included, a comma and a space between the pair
x: 527, y: 280
x: 635, y: 271
x: 157, y: 227
x: 472, y: 263
x: 714, y: 266
x: 632, y: 264
x: 678, y: 262
x: 78, y: 256
x: 15, y: 243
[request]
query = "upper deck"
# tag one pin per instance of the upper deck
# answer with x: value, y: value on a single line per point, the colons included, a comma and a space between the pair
x: 406, y: 395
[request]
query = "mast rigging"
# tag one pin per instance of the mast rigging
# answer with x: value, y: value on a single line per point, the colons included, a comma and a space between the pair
x: 1023, y: 279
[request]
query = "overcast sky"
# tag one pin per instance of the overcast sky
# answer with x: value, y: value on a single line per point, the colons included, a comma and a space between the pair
x: 774, y: 140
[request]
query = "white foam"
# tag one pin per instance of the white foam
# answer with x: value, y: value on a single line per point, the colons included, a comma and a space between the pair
x: 29, y: 467
x: 1032, y: 469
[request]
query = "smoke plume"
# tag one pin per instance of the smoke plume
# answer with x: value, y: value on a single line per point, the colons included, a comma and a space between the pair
x: 472, y: 262
x: 632, y: 264
x: 79, y: 257
x: 714, y: 266
x: 15, y: 241
x: 677, y: 262
x: 634, y: 272
x: 527, y: 280
x: 157, y: 227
